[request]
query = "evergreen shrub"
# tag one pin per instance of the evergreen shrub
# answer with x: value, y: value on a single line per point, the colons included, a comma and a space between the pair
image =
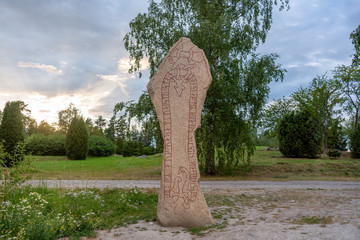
x: 355, y: 142
x: 77, y: 139
x: 41, y: 145
x: 334, y: 153
x: 148, y: 150
x: 119, y: 146
x: 299, y: 135
x: 100, y: 147
x: 337, y: 138
x: 128, y: 149
x: 12, y: 133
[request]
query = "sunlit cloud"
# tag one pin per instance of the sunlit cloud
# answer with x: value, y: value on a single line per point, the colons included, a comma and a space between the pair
x: 118, y: 79
x: 122, y: 75
x: 47, y: 68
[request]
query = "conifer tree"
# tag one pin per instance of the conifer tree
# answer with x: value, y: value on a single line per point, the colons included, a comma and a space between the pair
x: 77, y: 139
x: 12, y: 132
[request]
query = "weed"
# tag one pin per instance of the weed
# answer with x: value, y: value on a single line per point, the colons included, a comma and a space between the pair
x: 315, y: 220
x: 200, y: 231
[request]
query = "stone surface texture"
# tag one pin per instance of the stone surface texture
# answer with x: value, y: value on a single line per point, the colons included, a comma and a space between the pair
x: 178, y: 92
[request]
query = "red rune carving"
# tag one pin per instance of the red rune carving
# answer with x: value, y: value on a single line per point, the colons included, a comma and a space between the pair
x: 181, y: 190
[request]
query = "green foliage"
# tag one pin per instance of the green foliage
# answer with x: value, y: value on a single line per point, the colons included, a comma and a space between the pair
x: 229, y: 33
x: 334, y: 153
x: 45, y: 128
x: 271, y: 115
x: 119, y: 146
x: 355, y: 36
x: 322, y: 99
x: 132, y: 148
x: 100, y: 122
x: 65, y: 117
x: 93, y: 130
x: 42, y: 213
x: 348, y: 80
x: 337, y: 136
x: 41, y: 145
x: 355, y: 142
x: 143, y: 112
x: 77, y: 139
x: 299, y: 135
x: 265, y: 140
x: 12, y: 133
x: 148, y: 151
x: 15, y: 157
x: 31, y: 127
x: 100, y: 147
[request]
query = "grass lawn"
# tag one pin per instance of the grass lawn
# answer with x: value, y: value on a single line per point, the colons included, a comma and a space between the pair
x: 114, y: 167
x: 265, y: 165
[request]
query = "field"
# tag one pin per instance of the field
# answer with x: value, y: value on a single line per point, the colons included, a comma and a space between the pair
x: 265, y: 165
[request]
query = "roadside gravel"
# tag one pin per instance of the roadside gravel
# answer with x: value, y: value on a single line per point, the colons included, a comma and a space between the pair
x: 270, y: 185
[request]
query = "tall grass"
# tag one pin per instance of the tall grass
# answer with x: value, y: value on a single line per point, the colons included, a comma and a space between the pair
x: 43, y: 213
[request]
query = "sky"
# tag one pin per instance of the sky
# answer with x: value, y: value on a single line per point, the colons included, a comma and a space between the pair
x: 57, y: 52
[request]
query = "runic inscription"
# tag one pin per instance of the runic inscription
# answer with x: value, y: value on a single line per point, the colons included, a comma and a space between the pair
x: 178, y: 91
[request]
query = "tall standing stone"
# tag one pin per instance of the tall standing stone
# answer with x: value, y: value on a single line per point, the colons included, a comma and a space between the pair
x: 178, y: 92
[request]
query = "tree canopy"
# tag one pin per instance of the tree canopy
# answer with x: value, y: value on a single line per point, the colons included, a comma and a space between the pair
x: 322, y: 99
x: 66, y: 116
x: 229, y: 33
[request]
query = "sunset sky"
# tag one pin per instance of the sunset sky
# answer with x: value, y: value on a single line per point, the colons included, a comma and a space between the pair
x: 54, y: 52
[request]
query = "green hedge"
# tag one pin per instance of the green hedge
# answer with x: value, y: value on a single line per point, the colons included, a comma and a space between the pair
x: 100, y: 147
x: 299, y: 135
x: 40, y: 145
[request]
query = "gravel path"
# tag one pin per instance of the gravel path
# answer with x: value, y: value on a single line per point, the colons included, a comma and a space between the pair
x: 269, y: 185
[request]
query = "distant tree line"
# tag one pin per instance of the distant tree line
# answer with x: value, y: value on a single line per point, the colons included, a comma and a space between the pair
x: 71, y: 135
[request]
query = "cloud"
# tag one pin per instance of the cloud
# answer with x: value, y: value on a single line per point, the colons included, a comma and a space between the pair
x: 311, y: 39
x: 118, y: 79
x: 121, y: 76
x: 47, y: 68
x: 79, y: 44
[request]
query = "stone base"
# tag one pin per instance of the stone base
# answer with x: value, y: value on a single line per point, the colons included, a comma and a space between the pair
x: 180, y: 214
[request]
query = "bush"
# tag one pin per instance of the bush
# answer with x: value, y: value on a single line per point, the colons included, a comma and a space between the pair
x: 148, y: 151
x: 11, y: 159
x: 334, y: 153
x: 128, y: 149
x: 12, y: 133
x: 119, y: 146
x: 299, y: 135
x: 77, y: 140
x: 336, y: 138
x: 355, y: 142
x: 52, y: 145
x: 100, y: 147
